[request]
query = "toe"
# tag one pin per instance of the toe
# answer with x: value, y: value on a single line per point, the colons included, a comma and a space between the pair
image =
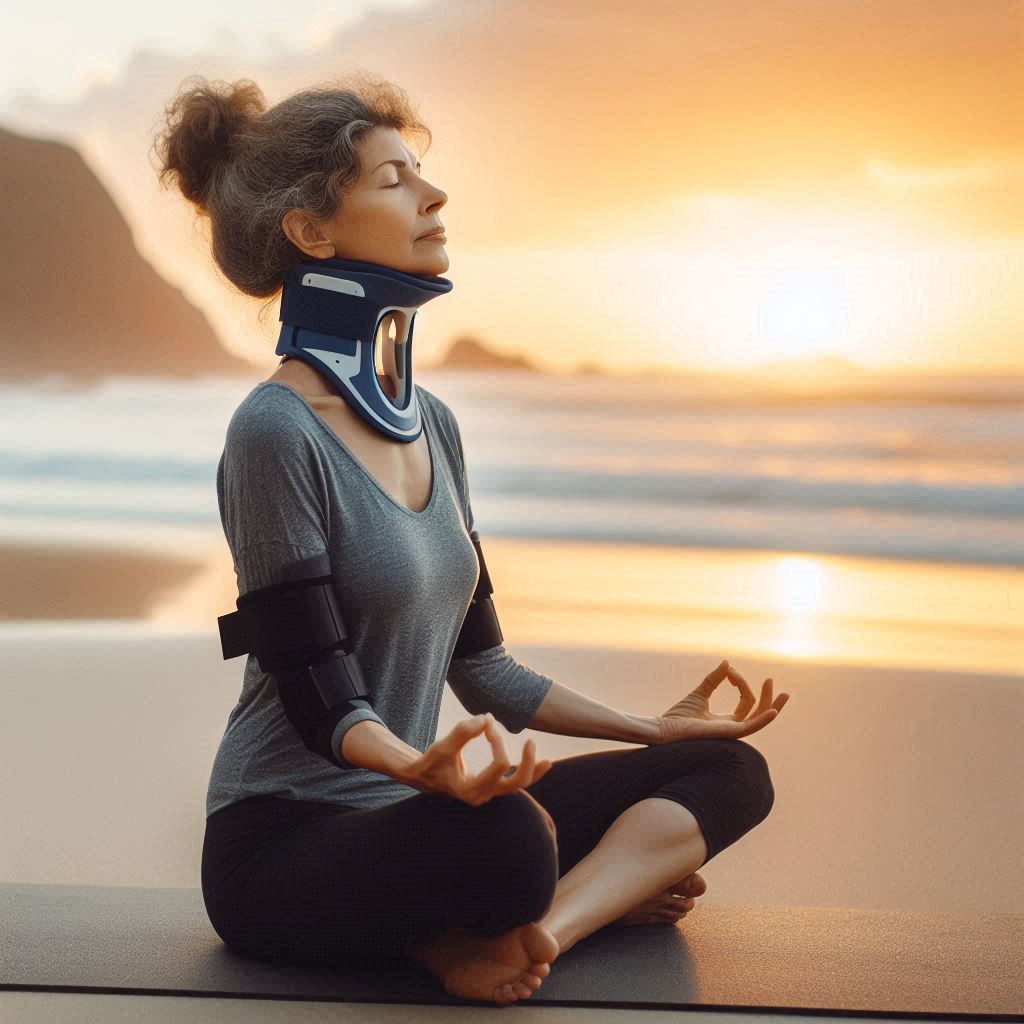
x: 692, y: 885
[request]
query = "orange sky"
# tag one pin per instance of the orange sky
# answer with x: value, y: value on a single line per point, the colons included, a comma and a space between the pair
x: 766, y: 181
x: 708, y: 184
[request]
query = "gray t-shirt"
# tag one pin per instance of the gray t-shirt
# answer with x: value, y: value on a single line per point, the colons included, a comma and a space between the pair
x: 291, y: 493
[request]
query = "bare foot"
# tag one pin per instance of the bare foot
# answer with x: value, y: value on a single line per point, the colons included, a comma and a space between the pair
x: 503, y: 968
x: 662, y: 907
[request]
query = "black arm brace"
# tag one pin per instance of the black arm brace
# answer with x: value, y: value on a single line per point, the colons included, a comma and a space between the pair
x: 480, y: 630
x: 297, y: 633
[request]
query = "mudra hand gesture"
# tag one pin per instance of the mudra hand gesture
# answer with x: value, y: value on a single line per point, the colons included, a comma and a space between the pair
x: 441, y: 769
x: 692, y: 719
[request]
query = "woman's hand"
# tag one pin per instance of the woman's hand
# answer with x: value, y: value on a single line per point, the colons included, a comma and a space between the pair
x: 691, y: 718
x: 442, y: 770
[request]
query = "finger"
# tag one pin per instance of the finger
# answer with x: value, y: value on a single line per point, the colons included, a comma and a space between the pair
x: 764, y: 703
x: 710, y: 682
x: 766, y: 697
x: 528, y: 765
x: 450, y: 749
x: 758, y: 722
x: 523, y: 774
x: 540, y: 769
x: 486, y: 781
x: 501, y: 762
x: 726, y: 728
x: 677, y: 911
x: 746, y: 701
x: 515, y: 777
x: 463, y: 732
x: 686, y: 903
x: 447, y: 747
x: 671, y: 916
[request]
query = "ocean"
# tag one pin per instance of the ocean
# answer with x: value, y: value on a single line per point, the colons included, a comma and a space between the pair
x: 919, y: 468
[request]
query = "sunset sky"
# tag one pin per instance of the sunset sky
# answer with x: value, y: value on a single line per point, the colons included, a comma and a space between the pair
x: 690, y: 184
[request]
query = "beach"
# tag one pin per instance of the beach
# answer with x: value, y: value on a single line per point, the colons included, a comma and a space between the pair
x: 896, y: 786
x: 75, y: 581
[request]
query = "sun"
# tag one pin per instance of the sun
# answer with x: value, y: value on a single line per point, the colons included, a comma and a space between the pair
x: 799, y: 307
x: 756, y: 286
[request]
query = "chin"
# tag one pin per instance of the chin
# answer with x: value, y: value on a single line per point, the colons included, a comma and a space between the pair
x: 430, y: 266
x: 417, y: 265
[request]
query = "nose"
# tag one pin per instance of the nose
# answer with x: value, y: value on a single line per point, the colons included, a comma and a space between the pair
x: 438, y: 198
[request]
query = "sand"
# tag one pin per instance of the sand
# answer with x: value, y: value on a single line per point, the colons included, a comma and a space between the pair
x: 43, y: 581
x: 896, y: 786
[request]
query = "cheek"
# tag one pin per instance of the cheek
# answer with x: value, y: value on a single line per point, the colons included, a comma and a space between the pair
x: 395, y: 217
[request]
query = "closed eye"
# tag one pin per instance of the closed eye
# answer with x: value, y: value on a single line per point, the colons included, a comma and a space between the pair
x: 399, y: 182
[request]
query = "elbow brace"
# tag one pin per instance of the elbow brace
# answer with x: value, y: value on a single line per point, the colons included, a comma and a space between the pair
x: 480, y: 630
x: 296, y: 631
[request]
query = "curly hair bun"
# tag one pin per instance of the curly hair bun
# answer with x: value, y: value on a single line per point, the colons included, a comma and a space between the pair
x: 201, y: 124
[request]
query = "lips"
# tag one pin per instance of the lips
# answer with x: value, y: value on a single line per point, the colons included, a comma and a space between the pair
x: 436, y: 231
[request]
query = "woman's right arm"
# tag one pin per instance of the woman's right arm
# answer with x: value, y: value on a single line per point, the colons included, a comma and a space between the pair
x: 274, y: 509
x: 372, y: 745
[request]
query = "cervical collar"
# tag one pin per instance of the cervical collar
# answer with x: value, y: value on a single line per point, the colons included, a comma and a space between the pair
x: 331, y: 312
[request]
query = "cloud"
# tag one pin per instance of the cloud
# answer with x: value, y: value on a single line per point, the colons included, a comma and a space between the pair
x: 899, y: 177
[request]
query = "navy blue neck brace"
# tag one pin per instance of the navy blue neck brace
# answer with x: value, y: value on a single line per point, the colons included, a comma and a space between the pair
x: 332, y: 311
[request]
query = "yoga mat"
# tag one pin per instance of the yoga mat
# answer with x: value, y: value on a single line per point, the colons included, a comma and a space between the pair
x: 744, y: 957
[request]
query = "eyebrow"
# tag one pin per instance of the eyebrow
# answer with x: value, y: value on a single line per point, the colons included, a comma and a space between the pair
x: 397, y: 163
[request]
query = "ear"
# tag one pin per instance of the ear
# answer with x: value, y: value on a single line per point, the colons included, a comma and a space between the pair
x: 306, y: 234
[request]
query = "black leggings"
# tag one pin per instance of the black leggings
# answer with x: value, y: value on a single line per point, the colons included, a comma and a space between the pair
x: 305, y: 882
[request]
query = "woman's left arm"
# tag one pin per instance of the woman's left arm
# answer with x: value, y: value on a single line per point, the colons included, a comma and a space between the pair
x: 568, y: 713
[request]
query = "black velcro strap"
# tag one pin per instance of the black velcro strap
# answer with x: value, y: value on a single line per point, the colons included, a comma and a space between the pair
x: 234, y: 636
x: 339, y: 678
x: 285, y: 624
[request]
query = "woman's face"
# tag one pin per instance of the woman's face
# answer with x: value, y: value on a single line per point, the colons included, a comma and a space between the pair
x: 383, y: 215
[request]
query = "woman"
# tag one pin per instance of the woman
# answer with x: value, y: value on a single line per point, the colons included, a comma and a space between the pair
x: 390, y: 852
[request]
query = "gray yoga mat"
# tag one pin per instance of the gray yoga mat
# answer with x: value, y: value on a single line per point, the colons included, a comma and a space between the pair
x: 744, y: 957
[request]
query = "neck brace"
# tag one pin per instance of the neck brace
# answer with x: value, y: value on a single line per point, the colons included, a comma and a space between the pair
x: 331, y: 312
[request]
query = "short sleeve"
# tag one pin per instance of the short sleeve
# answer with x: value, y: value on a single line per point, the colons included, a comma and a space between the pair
x: 272, y: 494
x: 494, y: 681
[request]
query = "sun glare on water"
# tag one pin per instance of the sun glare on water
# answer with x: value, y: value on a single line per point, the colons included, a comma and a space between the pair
x: 799, y: 585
